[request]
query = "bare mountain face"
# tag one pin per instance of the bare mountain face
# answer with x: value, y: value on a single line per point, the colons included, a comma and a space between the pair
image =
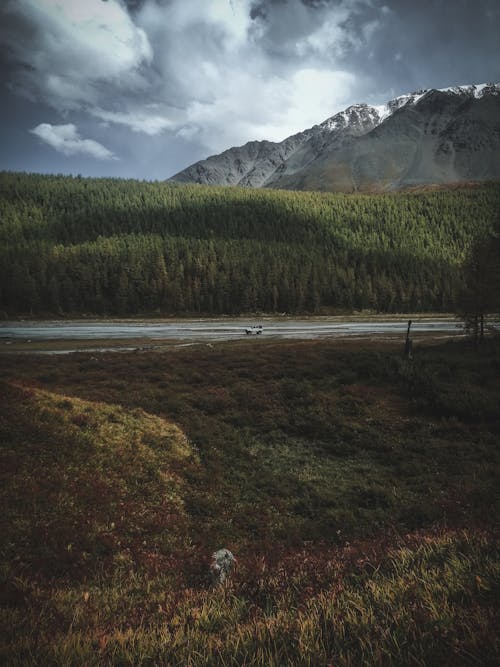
x: 429, y: 137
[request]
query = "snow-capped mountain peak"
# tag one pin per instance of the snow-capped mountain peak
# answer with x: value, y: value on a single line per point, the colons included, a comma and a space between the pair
x: 427, y: 136
x: 472, y: 90
x: 475, y: 90
x: 357, y: 116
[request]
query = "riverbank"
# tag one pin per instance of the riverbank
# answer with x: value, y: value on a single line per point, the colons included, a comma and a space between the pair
x: 126, y: 335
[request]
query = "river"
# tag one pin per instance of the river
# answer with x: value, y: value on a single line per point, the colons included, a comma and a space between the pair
x: 214, y: 330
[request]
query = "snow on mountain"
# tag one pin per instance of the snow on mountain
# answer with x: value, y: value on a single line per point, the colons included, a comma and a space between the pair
x: 428, y: 136
x: 476, y: 91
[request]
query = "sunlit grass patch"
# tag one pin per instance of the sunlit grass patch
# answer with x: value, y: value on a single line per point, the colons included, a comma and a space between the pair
x: 428, y: 598
x: 87, y: 481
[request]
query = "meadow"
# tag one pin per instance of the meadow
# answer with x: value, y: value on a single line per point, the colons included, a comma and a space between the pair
x: 357, y: 489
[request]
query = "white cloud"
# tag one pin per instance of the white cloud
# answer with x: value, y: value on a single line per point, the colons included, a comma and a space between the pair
x: 230, y: 18
x: 309, y: 96
x: 224, y: 71
x: 77, y: 46
x: 212, y: 72
x: 146, y: 121
x: 330, y: 38
x: 66, y: 140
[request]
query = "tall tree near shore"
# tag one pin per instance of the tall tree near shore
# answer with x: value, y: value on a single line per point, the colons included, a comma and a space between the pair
x: 480, y: 300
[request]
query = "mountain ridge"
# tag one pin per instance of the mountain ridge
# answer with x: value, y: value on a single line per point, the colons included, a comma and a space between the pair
x: 431, y: 136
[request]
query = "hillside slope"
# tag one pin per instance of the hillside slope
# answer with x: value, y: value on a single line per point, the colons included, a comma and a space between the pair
x: 104, y: 246
x: 429, y: 137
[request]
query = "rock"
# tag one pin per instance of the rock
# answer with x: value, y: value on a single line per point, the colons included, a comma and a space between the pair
x: 221, y: 566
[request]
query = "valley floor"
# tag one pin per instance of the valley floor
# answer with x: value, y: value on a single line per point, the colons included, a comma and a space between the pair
x: 358, y: 490
x: 59, y: 336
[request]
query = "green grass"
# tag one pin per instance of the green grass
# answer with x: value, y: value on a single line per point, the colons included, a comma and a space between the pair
x: 358, y: 491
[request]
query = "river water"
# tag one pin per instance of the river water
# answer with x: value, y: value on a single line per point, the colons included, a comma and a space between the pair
x: 220, y: 329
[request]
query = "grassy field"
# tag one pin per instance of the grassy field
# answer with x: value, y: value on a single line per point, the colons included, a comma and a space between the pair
x: 358, y: 490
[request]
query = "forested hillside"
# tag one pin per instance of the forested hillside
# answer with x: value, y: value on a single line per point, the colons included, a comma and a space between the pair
x: 108, y: 246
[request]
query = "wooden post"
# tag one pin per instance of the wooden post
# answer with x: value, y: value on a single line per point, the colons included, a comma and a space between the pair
x: 408, y: 343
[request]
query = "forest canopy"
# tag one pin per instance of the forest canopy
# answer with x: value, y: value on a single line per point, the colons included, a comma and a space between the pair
x: 72, y: 246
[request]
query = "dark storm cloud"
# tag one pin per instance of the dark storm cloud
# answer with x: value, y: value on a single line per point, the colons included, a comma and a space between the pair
x: 158, y: 84
x: 430, y: 44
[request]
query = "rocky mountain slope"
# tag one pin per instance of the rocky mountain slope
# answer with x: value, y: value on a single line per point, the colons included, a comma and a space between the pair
x: 428, y: 137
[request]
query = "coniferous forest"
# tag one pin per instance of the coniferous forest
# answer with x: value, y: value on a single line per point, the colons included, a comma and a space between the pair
x: 72, y: 246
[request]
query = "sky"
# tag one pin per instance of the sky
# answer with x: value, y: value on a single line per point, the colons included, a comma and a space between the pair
x: 144, y: 88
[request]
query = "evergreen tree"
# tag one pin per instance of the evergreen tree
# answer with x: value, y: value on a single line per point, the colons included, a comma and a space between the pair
x: 481, y: 296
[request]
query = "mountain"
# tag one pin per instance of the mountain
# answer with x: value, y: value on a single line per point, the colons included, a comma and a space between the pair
x: 427, y: 137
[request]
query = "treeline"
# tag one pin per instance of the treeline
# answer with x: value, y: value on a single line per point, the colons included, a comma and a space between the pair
x: 109, y: 246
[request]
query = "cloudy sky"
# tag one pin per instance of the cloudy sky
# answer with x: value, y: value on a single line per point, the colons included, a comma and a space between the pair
x: 143, y: 88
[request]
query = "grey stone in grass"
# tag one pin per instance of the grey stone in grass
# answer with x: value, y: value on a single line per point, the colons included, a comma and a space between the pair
x: 221, y: 566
